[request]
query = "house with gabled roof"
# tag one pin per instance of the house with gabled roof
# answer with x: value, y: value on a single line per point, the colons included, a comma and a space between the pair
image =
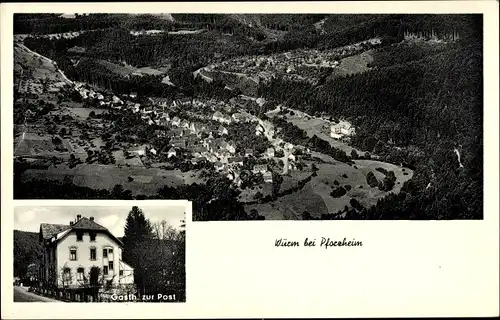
x: 238, y: 117
x: 218, y: 166
x: 270, y: 152
x: 217, y: 116
x: 236, y: 161
x: 259, y: 168
x: 181, y: 143
x: 176, y: 121
x: 248, y: 152
x: 222, y: 131
x: 176, y: 132
x: 165, y: 115
x: 171, y: 153
x: 184, y: 124
x: 71, y: 251
x: 268, y: 177
x: 199, y: 151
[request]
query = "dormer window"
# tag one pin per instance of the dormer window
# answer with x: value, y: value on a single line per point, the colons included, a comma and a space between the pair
x: 79, y: 236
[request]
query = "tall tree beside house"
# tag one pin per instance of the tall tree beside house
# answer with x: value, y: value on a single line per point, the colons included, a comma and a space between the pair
x: 137, y: 231
x: 164, y: 258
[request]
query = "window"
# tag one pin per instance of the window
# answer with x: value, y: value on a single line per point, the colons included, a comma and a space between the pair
x: 92, y: 236
x: 80, y: 272
x: 79, y: 236
x: 72, y: 254
x: 121, y: 272
x: 111, y: 266
x: 67, y: 274
x: 110, y: 251
x: 93, y: 253
x: 105, y: 270
x: 104, y: 253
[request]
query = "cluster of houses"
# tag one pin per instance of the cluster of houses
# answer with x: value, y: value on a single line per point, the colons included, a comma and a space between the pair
x: 292, y: 63
x: 104, y: 101
x: 206, y: 139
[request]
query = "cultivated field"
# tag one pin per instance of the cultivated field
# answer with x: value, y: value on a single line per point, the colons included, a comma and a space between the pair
x: 315, y: 196
x: 353, y: 64
x: 291, y: 207
x: 32, y: 144
x: 35, y: 72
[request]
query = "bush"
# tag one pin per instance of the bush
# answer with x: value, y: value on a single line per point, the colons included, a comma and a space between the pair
x: 338, y: 192
x: 371, y: 180
x: 344, y: 175
x: 355, y: 204
x: 347, y: 187
x: 336, y: 183
x: 258, y: 195
x: 354, y: 154
x: 306, y: 216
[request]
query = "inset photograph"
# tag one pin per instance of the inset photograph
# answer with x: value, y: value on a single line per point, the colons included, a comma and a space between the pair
x: 100, y: 253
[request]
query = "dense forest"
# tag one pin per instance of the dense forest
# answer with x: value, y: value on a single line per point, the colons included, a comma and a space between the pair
x: 27, y: 249
x: 416, y: 110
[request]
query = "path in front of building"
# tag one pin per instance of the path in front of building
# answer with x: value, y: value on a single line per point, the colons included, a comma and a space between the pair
x: 21, y: 294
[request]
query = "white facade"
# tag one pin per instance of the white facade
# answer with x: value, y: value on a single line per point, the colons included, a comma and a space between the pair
x: 70, y: 255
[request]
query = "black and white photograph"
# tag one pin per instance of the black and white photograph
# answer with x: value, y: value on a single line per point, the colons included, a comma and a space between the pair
x: 254, y: 116
x: 99, y: 253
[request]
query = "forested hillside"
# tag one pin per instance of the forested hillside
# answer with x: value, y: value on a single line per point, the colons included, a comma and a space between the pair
x: 27, y: 249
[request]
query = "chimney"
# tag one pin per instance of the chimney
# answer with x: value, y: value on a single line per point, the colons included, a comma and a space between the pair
x: 91, y: 218
x: 78, y: 217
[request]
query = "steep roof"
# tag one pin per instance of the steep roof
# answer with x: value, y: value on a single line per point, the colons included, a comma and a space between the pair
x: 87, y: 224
x: 48, y: 230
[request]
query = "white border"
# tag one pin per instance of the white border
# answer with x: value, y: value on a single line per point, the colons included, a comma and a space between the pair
x: 405, y: 268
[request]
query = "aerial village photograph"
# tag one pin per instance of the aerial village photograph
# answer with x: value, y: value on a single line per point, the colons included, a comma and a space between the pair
x: 253, y: 116
x: 99, y: 254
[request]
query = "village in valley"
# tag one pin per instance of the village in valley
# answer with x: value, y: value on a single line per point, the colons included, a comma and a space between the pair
x: 283, y: 161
